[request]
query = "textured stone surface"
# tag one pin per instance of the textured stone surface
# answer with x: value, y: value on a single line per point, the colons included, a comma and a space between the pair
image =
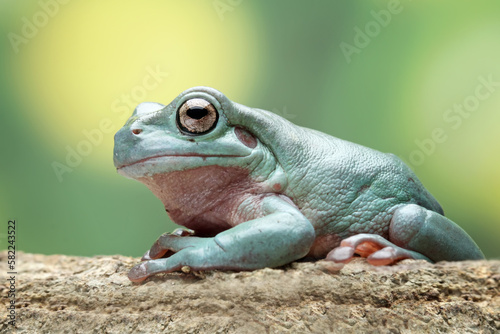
x: 57, y: 294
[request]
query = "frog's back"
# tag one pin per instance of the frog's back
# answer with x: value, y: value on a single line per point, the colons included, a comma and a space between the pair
x: 336, y: 183
x: 345, y: 187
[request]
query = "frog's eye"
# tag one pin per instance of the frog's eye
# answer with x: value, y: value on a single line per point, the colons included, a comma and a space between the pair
x: 197, y: 116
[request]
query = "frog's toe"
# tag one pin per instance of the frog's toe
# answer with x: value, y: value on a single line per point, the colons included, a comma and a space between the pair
x: 161, y: 253
x: 173, y: 242
x: 341, y: 254
x: 183, y: 232
x: 146, y: 256
x: 138, y: 273
x: 388, y: 255
x: 148, y: 268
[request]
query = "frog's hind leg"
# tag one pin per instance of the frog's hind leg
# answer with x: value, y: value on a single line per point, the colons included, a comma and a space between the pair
x: 427, y: 232
x: 415, y: 233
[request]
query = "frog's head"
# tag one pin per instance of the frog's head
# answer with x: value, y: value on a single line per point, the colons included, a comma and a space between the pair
x: 192, y: 131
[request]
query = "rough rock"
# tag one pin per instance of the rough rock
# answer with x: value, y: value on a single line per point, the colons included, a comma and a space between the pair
x: 64, y: 294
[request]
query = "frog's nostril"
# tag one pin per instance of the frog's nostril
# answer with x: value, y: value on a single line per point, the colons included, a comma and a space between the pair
x: 136, y: 131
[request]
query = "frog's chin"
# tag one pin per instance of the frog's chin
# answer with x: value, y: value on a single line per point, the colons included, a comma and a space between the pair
x: 172, y: 163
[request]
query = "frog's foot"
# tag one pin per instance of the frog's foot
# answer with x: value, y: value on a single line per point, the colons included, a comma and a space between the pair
x: 414, y: 233
x: 167, y: 244
x: 377, y: 250
x: 167, y: 254
x: 281, y: 236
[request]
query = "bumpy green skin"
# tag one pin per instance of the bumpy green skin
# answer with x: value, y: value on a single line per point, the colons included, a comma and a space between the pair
x: 305, y: 192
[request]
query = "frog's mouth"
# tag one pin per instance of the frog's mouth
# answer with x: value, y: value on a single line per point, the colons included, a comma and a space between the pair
x: 187, y: 155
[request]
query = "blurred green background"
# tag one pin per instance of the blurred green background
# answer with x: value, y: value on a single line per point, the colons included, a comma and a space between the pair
x: 384, y: 74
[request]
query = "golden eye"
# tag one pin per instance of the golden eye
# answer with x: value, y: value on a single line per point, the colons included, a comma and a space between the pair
x: 197, y: 116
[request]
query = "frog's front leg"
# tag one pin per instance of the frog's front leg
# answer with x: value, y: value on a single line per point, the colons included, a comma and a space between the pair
x: 283, y: 234
x: 415, y: 233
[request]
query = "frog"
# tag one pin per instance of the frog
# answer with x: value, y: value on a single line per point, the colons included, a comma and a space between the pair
x: 252, y: 190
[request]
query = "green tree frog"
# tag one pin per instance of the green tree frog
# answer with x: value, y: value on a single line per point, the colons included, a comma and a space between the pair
x: 254, y: 190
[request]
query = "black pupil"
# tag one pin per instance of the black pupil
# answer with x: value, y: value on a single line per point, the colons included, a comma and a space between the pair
x: 197, y: 112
